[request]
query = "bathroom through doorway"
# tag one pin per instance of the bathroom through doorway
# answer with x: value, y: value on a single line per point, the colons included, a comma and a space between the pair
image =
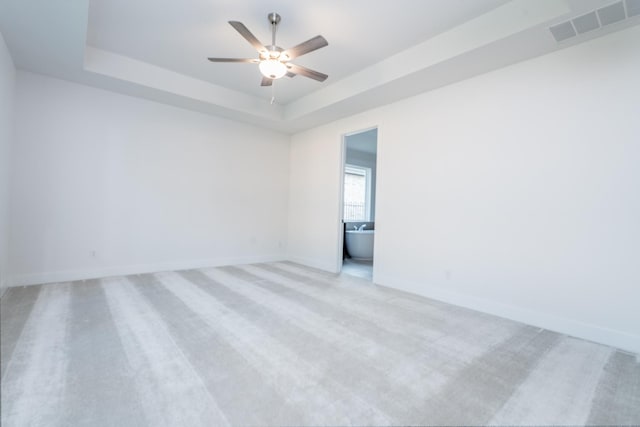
x: 358, y: 202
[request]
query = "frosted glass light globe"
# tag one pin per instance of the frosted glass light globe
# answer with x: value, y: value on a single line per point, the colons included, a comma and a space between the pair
x: 272, y: 68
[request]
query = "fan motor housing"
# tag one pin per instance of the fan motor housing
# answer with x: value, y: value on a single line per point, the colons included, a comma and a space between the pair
x: 272, y: 52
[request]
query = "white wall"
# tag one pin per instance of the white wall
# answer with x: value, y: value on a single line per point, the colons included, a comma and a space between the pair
x: 7, y: 85
x: 515, y: 192
x: 109, y: 184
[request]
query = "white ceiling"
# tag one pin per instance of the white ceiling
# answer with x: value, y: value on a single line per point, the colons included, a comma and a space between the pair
x: 378, y: 52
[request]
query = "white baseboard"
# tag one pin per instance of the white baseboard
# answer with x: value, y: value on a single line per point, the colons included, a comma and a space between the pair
x: 97, y: 273
x: 309, y: 262
x: 614, y: 338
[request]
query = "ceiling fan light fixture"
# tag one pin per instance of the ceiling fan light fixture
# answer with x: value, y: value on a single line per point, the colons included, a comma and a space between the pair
x: 272, y: 68
x: 273, y: 61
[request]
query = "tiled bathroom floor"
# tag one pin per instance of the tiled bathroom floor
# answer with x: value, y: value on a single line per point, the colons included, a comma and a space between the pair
x: 362, y: 269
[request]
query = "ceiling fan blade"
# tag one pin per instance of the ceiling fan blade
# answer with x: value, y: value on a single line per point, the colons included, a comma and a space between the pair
x: 266, y: 81
x: 305, y: 47
x: 312, y: 74
x: 244, y: 32
x: 254, y: 61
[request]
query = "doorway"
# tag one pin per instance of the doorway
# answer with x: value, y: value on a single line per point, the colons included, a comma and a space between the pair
x: 358, y: 201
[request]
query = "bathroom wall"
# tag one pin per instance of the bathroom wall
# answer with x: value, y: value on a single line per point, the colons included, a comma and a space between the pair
x: 366, y: 160
x: 361, y: 150
x: 514, y: 192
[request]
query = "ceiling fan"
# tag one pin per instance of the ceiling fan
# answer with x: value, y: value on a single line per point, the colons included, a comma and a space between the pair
x: 274, y: 61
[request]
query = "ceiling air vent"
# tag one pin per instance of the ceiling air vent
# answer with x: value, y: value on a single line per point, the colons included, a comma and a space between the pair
x: 585, y: 23
x: 633, y: 8
x: 562, y: 31
x: 612, y: 13
x: 607, y: 15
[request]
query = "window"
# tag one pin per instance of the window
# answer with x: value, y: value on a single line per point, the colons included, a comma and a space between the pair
x: 357, y: 193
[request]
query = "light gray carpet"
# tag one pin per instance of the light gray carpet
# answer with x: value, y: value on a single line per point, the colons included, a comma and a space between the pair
x: 281, y: 344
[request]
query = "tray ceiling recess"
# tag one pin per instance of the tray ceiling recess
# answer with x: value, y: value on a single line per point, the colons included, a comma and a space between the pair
x: 390, y: 52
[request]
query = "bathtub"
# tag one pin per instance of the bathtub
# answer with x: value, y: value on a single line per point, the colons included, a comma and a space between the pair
x: 360, y: 244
